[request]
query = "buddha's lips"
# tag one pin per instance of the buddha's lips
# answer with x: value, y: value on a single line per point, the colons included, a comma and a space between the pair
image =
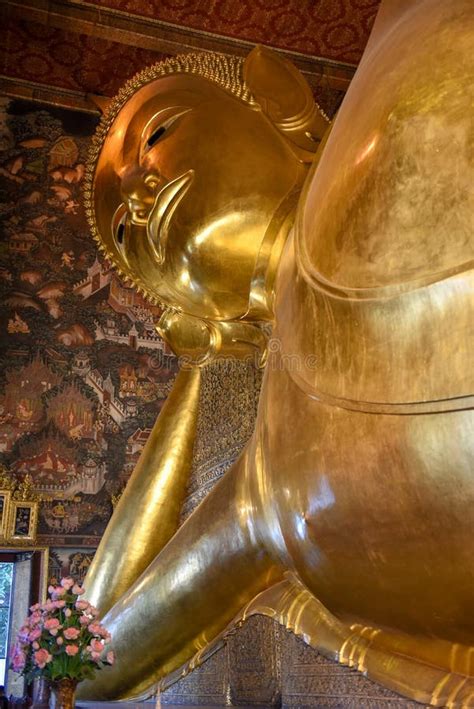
x: 165, y: 204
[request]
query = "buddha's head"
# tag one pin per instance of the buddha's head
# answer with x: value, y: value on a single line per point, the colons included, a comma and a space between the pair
x: 195, y: 172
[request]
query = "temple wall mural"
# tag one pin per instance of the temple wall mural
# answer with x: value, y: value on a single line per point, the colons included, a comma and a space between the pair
x: 83, y: 373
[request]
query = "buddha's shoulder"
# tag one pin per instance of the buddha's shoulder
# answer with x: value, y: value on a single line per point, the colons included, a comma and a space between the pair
x: 391, y: 201
x: 405, y: 220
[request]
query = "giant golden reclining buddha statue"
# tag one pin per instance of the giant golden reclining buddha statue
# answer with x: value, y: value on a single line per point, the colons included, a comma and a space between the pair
x: 220, y: 189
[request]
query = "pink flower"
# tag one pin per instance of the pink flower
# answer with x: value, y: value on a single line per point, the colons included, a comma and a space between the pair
x: 98, y: 629
x: 60, y: 640
x: 34, y: 635
x: 36, y: 618
x: 83, y: 605
x: 78, y: 590
x: 72, y: 650
x: 84, y: 620
x: 59, y: 591
x: 95, y: 656
x: 110, y: 657
x: 34, y: 608
x: 97, y: 645
x: 24, y: 634
x: 42, y: 657
x: 59, y: 604
x: 35, y: 645
x: 68, y: 612
x: 50, y: 589
x: 18, y: 659
x: 71, y: 633
x: 67, y: 583
x: 51, y: 623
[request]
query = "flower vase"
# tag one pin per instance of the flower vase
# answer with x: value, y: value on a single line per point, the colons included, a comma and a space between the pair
x: 41, y: 693
x: 64, y: 692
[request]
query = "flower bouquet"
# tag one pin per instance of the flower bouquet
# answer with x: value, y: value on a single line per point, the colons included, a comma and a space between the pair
x: 62, y: 642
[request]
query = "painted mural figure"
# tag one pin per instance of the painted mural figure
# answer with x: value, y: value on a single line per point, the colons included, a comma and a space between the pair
x: 216, y: 187
x: 22, y: 522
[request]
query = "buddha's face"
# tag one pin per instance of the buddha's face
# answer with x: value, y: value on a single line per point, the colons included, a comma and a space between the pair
x: 186, y: 186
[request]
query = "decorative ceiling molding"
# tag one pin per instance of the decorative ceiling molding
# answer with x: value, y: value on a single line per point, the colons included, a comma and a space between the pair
x: 50, y: 95
x: 68, y: 60
x: 159, y: 36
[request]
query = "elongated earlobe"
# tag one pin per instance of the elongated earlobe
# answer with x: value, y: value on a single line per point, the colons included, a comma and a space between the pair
x: 285, y: 97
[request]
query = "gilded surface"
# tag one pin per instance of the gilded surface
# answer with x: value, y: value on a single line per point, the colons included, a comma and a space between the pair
x: 259, y: 662
x: 348, y: 517
x: 155, y: 491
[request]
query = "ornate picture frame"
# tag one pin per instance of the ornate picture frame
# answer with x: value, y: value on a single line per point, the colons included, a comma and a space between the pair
x: 5, y: 501
x: 23, y: 521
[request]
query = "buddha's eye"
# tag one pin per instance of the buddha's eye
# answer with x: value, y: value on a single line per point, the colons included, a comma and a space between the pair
x: 166, y: 120
x: 120, y: 232
x: 155, y: 136
x: 119, y: 226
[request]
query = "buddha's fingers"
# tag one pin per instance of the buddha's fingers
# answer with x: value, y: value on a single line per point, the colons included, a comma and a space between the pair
x: 147, y: 514
x: 212, y: 567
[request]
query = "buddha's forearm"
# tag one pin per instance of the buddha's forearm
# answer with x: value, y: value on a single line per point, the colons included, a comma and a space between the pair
x: 147, y: 514
x: 187, y: 596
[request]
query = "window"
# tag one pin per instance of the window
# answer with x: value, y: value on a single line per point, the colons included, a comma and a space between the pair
x: 6, y: 580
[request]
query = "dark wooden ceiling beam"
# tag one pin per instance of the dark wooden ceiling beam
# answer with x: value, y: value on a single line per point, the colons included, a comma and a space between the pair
x: 156, y: 35
x: 50, y: 95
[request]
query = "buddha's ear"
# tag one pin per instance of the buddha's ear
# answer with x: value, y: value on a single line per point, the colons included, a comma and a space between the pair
x: 285, y: 97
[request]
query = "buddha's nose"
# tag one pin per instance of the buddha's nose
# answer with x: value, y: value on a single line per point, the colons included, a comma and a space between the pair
x: 138, y: 188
